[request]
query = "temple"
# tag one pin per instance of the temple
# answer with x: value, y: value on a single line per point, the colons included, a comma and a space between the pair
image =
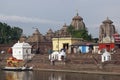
x: 77, y: 22
x: 107, y: 29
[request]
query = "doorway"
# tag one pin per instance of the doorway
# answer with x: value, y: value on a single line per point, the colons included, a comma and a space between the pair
x: 108, y: 47
x: 65, y: 45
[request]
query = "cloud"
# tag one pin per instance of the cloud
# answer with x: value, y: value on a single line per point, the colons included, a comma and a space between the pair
x: 24, y: 19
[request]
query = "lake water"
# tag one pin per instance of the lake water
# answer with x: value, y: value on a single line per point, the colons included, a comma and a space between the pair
x: 44, y: 75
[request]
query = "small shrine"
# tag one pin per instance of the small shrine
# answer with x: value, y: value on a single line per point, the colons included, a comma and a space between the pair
x: 21, y: 51
x: 61, y: 56
x: 107, y: 43
x: 106, y: 56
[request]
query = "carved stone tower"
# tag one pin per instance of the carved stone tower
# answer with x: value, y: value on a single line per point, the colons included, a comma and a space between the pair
x: 77, y: 22
x: 36, y: 37
x: 49, y: 35
x: 63, y: 31
x: 107, y: 29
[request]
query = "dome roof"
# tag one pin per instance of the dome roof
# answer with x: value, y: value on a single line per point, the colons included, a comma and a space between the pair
x: 21, y: 45
x: 106, y: 53
x: 62, y: 53
x: 107, y: 21
x: 77, y: 17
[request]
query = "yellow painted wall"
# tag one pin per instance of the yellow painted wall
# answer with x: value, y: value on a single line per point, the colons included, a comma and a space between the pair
x: 58, y: 42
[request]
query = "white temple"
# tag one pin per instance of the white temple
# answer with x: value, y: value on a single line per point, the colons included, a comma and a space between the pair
x: 21, y: 51
x: 106, y: 56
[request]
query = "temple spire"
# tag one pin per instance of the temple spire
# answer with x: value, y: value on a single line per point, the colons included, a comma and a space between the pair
x: 77, y: 13
x: 107, y: 18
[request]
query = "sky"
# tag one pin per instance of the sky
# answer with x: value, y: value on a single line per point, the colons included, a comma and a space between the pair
x: 53, y: 14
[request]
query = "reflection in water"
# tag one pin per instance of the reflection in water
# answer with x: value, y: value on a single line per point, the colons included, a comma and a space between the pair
x: 72, y: 76
x: 14, y: 75
x: 54, y: 76
x: 44, y: 75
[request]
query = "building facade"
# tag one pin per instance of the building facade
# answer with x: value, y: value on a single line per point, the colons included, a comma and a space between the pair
x: 64, y: 43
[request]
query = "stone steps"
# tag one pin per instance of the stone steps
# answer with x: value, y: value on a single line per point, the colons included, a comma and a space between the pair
x: 39, y: 60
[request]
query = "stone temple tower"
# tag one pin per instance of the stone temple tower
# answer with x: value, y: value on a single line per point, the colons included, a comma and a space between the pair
x: 77, y: 22
x: 107, y: 29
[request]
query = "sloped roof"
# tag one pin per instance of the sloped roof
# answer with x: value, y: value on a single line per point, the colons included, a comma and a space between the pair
x: 21, y: 45
x: 106, y: 53
x: 77, y: 17
x: 108, y: 21
x: 84, y: 43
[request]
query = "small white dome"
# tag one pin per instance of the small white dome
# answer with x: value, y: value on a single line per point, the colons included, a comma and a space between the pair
x: 106, y: 56
x: 22, y: 45
x: 62, y: 53
x: 106, y: 53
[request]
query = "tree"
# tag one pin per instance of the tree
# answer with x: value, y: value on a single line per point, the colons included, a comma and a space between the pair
x: 16, y: 30
x: 9, y: 34
x: 82, y: 33
x: 70, y: 30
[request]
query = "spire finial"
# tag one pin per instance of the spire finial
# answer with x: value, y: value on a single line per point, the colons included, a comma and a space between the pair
x: 107, y: 18
x: 77, y: 12
x: 64, y: 24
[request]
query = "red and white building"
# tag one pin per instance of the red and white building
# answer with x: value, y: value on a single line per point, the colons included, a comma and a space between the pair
x: 116, y: 37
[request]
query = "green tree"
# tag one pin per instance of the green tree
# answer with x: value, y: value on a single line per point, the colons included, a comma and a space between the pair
x: 16, y: 30
x: 71, y: 30
x: 9, y: 34
x: 82, y: 33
